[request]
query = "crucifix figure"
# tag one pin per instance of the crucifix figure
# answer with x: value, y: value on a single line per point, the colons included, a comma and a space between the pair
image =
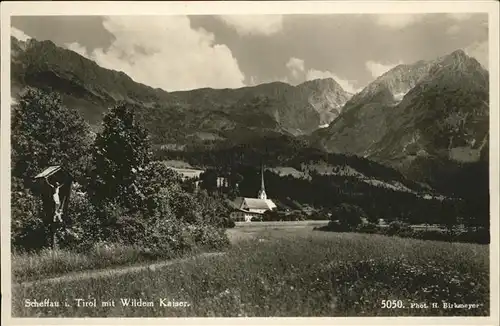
x: 55, y: 198
x: 57, y: 202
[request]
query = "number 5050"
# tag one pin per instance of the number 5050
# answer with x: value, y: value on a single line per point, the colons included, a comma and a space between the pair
x: 392, y: 304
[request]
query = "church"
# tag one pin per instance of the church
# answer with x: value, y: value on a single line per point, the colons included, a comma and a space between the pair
x: 247, y: 209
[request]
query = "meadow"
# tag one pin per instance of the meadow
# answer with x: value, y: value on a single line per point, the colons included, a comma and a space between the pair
x: 52, y: 263
x: 287, y: 271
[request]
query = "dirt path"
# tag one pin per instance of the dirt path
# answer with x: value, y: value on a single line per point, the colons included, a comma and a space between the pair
x: 102, y: 273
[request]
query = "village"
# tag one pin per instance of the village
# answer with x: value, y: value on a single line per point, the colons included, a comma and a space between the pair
x: 244, y: 209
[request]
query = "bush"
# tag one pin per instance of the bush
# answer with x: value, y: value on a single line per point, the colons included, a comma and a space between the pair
x: 368, y: 228
x: 434, y: 235
x: 166, y: 237
x: 171, y: 237
x: 210, y: 237
x: 272, y: 215
x: 336, y: 226
x: 373, y: 219
x: 27, y: 226
x: 184, y: 206
x: 297, y: 216
x: 348, y: 215
x: 478, y: 235
x: 398, y: 228
x: 214, y: 209
x: 129, y: 230
x: 319, y: 216
x: 83, y: 228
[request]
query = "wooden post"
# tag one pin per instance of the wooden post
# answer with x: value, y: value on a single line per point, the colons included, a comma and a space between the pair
x: 55, y: 242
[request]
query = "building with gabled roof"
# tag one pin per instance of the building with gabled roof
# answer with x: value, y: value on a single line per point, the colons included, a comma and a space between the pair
x: 247, y: 209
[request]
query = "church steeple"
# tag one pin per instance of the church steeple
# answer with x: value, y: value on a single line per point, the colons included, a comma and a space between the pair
x: 262, y: 192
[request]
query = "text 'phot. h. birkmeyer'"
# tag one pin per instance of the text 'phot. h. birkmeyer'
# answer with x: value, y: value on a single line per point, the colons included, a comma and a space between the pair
x: 335, y: 162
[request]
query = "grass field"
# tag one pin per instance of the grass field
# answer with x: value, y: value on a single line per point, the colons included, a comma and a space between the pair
x: 51, y: 263
x: 287, y: 271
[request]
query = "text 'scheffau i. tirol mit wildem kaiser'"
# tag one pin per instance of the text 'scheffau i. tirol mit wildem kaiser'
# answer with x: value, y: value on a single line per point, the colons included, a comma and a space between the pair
x: 285, y: 197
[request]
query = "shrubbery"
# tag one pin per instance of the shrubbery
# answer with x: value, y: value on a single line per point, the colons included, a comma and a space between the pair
x: 124, y: 198
x: 348, y: 215
x: 27, y: 227
x: 273, y: 215
x: 403, y: 230
x: 345, y: 217
x: 348, y: 218
x: 480, y: 235
x: 367, y: 228
x: 319, y: 216
x: 397, y: 228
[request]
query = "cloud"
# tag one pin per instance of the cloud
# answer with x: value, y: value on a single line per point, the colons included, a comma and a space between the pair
x: 166, y: 53
x: 460, y: 16
x: 299, y: 74
x: 479, y: 50
x: 296, y: 66
x: 317, y: 74
x: 398, y: 20
x: 377, y: 69
x: 286, y: 80
x: 254, y: 24
x: 453, y: 29
x: 19, y: 34
x: 252, y: 81
x: 76, y: 47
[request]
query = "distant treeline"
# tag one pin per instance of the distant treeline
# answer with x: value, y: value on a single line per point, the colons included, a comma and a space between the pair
x: 465, y: 189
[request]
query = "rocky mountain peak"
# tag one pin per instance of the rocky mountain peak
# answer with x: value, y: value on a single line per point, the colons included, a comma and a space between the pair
x: 326, y: 96
x: 457, y: 60
x: 459, y: 55
x: 444, y: 114
x: 321, y: 83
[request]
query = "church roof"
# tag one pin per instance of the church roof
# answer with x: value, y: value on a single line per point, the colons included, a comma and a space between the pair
x: 256, y: 203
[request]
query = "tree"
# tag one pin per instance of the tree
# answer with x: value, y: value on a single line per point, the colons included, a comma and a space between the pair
x: 28, y: 229
x: 45, y: 132
x: 209, y: 180
x: 235, y: 180
x: 214, y: 209
x: 121, y: 149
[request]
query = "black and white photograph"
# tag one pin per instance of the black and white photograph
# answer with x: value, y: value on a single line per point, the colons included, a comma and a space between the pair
x: 200, y: 162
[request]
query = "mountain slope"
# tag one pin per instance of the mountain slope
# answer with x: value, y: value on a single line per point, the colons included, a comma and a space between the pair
x: 81, y: 82
x: 442, y: 116
x: 287, y: 153
x: 445, y: 116
x: 326, y: 96
x: 364, y: 117
x: 176, y: 118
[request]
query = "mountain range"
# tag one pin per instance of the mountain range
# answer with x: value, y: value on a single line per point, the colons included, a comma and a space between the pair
x: 431, y: 111
x: 177, y: 118
x: 426, y: 118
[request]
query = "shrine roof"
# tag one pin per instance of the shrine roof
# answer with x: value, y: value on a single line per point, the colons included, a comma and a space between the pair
x: 48, y: 171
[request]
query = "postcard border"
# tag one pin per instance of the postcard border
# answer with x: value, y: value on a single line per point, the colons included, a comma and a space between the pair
x: 9, y: 9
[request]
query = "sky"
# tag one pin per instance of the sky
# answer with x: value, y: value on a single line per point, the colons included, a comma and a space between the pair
x: 188, y: 52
